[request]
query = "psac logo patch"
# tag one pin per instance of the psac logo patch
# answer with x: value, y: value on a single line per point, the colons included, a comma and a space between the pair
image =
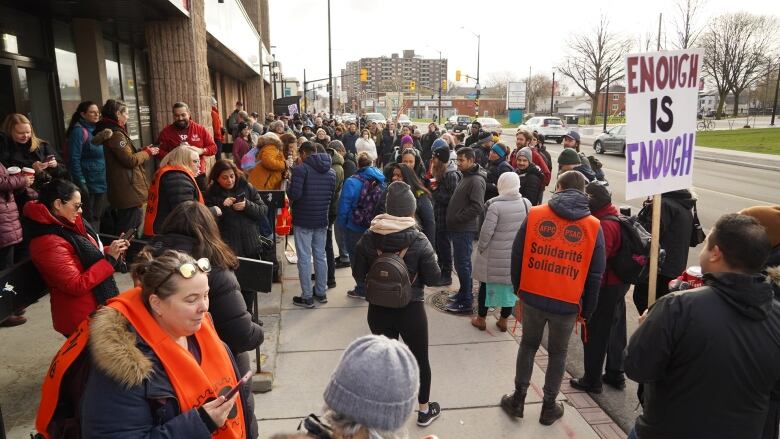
x: 547, y: 229
x: 573, y: 233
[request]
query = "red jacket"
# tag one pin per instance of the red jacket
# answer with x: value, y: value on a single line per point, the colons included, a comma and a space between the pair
x: 216, y: 124
x: 612, y: 240
x: 195, y: 135
x: 539, y: 161
x: 69, y: 284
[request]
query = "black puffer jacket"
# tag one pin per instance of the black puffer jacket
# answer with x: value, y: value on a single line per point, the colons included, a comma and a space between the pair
x: 494, y: 171
x: 239, y: 229
x: 226, y: 304
x: 444, y: 190
x: 467, y: 202
x: 176, y: 187
x: 709, y: 359
x: 532, y: 184
x: 676, y: 226
x: 420, y: 258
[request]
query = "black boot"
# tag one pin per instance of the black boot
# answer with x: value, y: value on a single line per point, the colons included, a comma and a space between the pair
x: 551, y: 412
x: 513, y: 404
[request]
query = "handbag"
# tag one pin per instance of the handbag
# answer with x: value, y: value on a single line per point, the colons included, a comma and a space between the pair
x: 697, y: 233
x: 499, y: 295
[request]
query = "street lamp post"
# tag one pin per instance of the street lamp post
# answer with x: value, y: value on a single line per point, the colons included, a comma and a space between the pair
x: 606, y: 98
x: 552, y: 93
x: 330, y: 66
x: 774, y: 105
x: 479, y: 44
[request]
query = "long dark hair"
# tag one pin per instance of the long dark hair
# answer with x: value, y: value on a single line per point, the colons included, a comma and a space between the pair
x: 111, y: 108
x: 221, y: 166
x: 196, y: 221
x: 56, y: 189
x: 411, y: 178
x: 76, y: 118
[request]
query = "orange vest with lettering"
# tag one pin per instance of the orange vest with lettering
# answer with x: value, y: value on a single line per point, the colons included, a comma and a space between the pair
x: 194, y: 384
x: 557, y: 254
x: 154, y: 196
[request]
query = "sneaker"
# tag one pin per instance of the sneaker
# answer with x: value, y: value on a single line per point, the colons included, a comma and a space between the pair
x: 454, y: 297
x: 302, y: 302
x: 459, y: 308
x: 354, y: 295
x: 426, y: 419
x: 322, y: 299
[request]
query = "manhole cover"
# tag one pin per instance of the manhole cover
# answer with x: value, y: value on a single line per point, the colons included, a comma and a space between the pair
x: 439, y: 301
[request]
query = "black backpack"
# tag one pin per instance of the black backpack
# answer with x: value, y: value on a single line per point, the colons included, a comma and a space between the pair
x: 387, y: 281
x: 632, y: 261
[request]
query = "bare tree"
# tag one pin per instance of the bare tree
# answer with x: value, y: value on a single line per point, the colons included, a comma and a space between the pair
x: 591, y: 56
x: 751, y: 45
x: 496, y: 83
x: 687, y: 30
x: 716, y: 60
x: 539, y: 88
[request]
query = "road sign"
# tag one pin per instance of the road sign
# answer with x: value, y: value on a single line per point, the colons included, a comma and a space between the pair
x: 515, y: 95
x: 661, y: 98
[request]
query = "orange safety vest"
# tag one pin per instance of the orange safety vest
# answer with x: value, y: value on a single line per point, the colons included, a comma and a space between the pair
x: 193, y: 383
x: 557, y: 254
x: 154, y: 196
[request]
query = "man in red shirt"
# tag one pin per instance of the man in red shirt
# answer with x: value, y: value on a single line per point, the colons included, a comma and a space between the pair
x: 184, y: 130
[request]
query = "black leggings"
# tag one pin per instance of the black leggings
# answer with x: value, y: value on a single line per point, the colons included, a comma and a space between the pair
x: 411, y: 323
x: 482, y: 310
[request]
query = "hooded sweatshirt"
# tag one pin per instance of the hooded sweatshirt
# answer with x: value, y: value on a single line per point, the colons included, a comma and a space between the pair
x: 570, y: 204
x: 312, y: 186
x: 709, y: 359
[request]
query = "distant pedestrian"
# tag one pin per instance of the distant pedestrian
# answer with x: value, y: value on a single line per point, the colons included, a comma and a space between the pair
x: 350, y: 137
x: 366, y: 144
x: 427, y: 142
x: 271, y: 164
x: 216, y: 127
x: 242, y: 143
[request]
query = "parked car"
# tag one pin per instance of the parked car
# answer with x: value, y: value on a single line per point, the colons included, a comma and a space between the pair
x: 348, y: 117
x: 404, y: 121
x: 376, y: 117
x: 461, y: 124
x: 550, y: 127
x: 451, y: 121
x: 614, y: 140
x: 490, y: 125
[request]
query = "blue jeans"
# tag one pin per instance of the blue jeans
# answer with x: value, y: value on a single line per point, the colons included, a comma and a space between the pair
x: 632, y: 434
x: 308, y: 243
x: 341, y: 240
x: 352, y: 240
x: 462, y: 243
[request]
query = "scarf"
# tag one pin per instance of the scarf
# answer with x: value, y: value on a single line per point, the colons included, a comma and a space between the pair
x: 385, y: 224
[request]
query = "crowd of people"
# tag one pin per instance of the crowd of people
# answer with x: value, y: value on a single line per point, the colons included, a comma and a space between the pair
x: 405, y: 209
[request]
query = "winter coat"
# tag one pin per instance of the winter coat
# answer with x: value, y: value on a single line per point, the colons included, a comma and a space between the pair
x: 612, y: 241
x: 267, y: 174
x: 350, y: 165
x: 423, y: 213
x: 349, y: 140
x: 227, y: 306
x: 16, y: 154
x: 70, y: 285
x: 481, y: 156
x: 10, y: 227
x: 128, y: 185
x: 388, y: 140
x: 494, y: 170
x: 569, y: 204
x: 708, y: 359
x: 86, y: 161
x: 676, y: 227
x: 475, y: 138
x: 350, y: 193
x: 532, y: 184
x: 216, y: 125
x: 367, y: 146
x: 311, y: 188
x: 420, y: 259
x: 176, y: 187
x: 240, y: 148
x: 426, y: 143
x: 503, y: 217
x: 467, y: 201
x: 443, y: 193
x: 337, y: 164
x: 239, y: 229
x: 127, y: 382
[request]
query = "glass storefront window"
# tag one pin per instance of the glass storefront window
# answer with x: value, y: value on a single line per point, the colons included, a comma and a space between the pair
x: 35, y: 102
x: 112, y: 70
x: 22, y: 33
x: 128, y: 90
x: 67, y: 69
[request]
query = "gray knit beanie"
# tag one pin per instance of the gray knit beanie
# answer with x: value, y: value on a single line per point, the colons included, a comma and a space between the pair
x: 375, y: 383
x: 527, y: 153
x: 400, y: 200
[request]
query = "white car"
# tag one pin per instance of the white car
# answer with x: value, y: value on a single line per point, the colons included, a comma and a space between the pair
x: 550, y: 127
x: 404, y: 121
x: 376, y: 117
x: 489, y: 125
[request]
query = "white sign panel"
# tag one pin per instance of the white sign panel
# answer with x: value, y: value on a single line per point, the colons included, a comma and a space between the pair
x: 515, y: 95
x: 661, y: 97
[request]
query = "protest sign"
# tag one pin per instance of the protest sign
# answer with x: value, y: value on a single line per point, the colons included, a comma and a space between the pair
x: 661, y: 102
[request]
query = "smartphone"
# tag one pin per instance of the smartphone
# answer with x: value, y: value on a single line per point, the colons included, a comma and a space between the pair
x: 128, y: 235
x: 50, y: 158
x: 240, y: 382
x: 240, y: 197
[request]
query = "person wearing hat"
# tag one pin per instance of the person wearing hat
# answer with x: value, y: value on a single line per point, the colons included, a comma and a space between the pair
x: 496, y: 166
x: 396, y: 232
x: 371, y: 392
x: 233, y: 119
x: 445, y: 177
x: 572, y: 141
x: 407, y: 142
x: 569, y: 160
x: 531, y: 177
x: 606, y: 328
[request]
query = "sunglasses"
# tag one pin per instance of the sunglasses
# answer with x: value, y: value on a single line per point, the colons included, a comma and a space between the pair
x: 188, y: 270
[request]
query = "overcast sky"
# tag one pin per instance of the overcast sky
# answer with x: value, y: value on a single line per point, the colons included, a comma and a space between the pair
x: 515, y: 35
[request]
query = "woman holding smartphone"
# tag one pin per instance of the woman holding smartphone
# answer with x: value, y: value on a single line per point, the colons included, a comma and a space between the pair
x: 67, y: 251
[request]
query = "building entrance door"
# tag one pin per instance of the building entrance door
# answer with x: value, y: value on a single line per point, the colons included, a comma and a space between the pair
x: 31, y: 95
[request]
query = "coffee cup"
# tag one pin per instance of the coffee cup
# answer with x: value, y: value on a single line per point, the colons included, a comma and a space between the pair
x: 28, y: 171
x: 13, y: 170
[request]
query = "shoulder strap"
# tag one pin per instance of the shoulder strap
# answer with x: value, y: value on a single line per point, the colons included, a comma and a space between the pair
x: 612, y: 218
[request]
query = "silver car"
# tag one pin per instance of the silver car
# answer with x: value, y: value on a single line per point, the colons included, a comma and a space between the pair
x: 551, y: 127
x: 490, y: 125
x: 614, y: 140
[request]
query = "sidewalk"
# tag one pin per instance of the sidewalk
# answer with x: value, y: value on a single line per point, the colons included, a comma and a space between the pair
x: 471, y: 370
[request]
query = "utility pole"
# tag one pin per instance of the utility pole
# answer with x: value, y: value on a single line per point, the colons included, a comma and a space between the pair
x: 552, y: 93
x: 479, y: 43
x: 774, y: 106
x: 330, y: 66
x: 304, y: 91
x: 438, y: 119
x: 606, y: 99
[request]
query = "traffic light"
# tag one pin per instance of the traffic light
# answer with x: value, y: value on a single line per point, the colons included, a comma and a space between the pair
x: 412, y: 86
x: 443, y: 85
x: 457, y: 75
x: 363, y: 75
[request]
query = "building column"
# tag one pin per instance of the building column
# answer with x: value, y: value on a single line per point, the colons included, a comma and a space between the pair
x: 91, y: 60
x: 177, y: 66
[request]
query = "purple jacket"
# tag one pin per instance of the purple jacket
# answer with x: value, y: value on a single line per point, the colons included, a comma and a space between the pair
x: 10, y: 227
